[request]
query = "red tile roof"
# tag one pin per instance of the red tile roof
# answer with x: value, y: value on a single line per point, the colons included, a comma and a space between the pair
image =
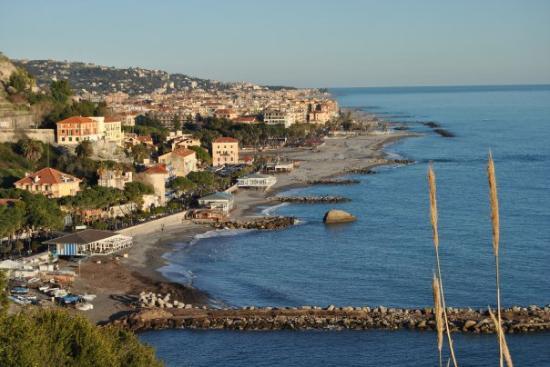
x: 46, y: 176
x: 226, y: 140
x: 158, y: 169
x: 245, y: 119
x: 76, y: 120
x: 183, y: 152
x: 112, y: 119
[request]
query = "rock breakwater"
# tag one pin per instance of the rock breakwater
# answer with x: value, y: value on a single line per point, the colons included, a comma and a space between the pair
x: 311, y: 199
x: 515, y: 319
x: 268, y: 223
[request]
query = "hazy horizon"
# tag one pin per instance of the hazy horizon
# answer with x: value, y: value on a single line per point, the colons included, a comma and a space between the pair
x: 303, y: 44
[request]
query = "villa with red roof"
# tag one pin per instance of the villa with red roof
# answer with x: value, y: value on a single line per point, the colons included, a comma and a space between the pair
x: 225, y: 150
x: 50, y: 182
x: 180, y: 161
x: 73, y: 130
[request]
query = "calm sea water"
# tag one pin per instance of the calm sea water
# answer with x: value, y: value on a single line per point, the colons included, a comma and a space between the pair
x: 386, y: 257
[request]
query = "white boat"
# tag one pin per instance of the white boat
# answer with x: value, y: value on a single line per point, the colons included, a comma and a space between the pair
x: 88, y: 297
x: 44, y: 288
x: 84, y: 306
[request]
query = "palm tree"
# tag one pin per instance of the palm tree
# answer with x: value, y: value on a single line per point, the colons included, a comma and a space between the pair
x: 31, y: 149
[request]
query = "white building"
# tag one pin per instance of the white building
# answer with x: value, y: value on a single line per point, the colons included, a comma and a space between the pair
x: 218, y: 200
x: 257, y: 180
x: 279, y: 117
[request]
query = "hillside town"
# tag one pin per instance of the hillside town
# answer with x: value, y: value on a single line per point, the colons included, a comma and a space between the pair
x: 81, y: 164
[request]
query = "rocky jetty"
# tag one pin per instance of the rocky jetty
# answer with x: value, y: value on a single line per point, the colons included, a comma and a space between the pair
x: 152, y: 300
x: 515, y: 319
x: 257, y: 223
x: 445, y: 133
x: 311, y: 199
x: 338, y: 216
x: 333, y: 181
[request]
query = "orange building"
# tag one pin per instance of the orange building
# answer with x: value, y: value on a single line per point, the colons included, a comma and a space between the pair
x: 73, y: 130
x: 49, y: 182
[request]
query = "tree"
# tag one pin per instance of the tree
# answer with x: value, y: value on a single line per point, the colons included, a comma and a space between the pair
x: 4, y: 302
x: 21, y: 81
x: 31, y: 149
x: 61, y: 91
x: 176, y: 122
x: 202, y: 154
x: 84, y: 149
x: 182, y: 184
x: 134, y: 191
x: 140, y: 152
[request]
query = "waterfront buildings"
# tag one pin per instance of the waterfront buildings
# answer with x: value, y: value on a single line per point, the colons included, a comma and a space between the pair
x: 225, y: 150
x: 49, y: 182
x: 279, y: 117
x: 156, y: 176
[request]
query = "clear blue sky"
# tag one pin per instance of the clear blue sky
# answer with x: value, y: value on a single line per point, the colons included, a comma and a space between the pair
x: 300, y: 42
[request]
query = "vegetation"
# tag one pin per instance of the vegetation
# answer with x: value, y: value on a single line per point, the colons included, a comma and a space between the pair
x: 134, y: 191
x: 56, y: 338
x: 182, y: 185
x: 202, y: 154
x: 439, y: 297
x: 206, y: 182
x: 84, y: 149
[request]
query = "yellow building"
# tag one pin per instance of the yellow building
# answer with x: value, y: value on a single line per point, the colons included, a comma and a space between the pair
x: 225, y: 151
x: 49, y: 182
x: 113, y: 130
x: 156, y: 176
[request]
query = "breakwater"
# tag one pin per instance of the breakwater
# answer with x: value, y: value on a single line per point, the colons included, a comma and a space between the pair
x: 311, y: 199
x: 268, y: 223
x: 333, y: 181
x: 515, y: 319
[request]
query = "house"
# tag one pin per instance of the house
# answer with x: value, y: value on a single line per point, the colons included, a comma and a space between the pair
x: 156, y: 176
x: 49, y: 182
x: 223, y: 201
x: 113, y: 129
x: 225, y: 150
x: 278, y: 167
x: 225, y: 113
x: 180, y: 161
x: 257, y: 181
x: 114, y: 178
x: 76, y: 129
x: 89, y: 242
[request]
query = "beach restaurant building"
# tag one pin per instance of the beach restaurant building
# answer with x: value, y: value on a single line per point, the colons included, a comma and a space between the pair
x: 88, y: 242
x: 223, y: 201
x: 256, y: 181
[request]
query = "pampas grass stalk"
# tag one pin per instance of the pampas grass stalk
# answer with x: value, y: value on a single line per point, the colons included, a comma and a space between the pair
x: 502, y: 339
x: 438, y: 317
x: 434, y: 219
x: 495, y: 222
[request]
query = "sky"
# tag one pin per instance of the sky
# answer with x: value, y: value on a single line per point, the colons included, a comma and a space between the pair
x: 300, y: 43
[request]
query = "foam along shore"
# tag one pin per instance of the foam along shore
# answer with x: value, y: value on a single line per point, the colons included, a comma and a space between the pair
x: 118, y: 281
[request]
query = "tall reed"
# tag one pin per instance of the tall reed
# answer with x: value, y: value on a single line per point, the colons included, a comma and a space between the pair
x: 434, y: 220
x: 495, y: 222
x: 438, y: 311
x: 502, y: 339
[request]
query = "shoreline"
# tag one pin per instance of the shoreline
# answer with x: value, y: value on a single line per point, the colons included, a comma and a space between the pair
x: 118, y: 281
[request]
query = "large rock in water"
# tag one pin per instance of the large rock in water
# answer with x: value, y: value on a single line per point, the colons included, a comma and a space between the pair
x: 338, y: 216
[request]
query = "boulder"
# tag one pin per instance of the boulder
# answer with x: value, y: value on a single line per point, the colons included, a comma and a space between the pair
x: 338, y: 216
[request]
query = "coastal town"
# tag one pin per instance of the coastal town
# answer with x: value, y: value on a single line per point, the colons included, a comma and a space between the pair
x: 93, y: 178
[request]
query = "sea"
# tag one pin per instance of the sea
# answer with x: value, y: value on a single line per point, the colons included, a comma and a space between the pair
x: 386, y: 257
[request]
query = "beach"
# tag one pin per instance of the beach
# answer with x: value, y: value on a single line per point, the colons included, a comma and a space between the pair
x: 118, y: 280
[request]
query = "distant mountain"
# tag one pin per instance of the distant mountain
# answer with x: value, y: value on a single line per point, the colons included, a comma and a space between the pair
x: 86, y: 77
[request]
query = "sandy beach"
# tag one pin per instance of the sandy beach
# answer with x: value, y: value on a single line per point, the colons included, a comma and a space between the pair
x: 118, y: 280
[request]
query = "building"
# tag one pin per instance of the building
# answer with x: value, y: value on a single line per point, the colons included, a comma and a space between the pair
x: 256, y: 181
x: 279, y: 117
x: 223, y: 201
x: 49, y: 182
x: 180, y: 161
x: 225, y: 151
x: 113, y: 130
x: 226, y: 113
x: 246, y: 120
x: 114, y: 178
x: 156, y: 176
x: 89, y: 242
x: 73, y: 130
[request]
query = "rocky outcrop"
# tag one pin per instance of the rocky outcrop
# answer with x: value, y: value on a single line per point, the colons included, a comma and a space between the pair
x: 338, y: 216
x: 311, y: 199
x: 361, y: 171
x: 515, y: 319
x: 268, y: 223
